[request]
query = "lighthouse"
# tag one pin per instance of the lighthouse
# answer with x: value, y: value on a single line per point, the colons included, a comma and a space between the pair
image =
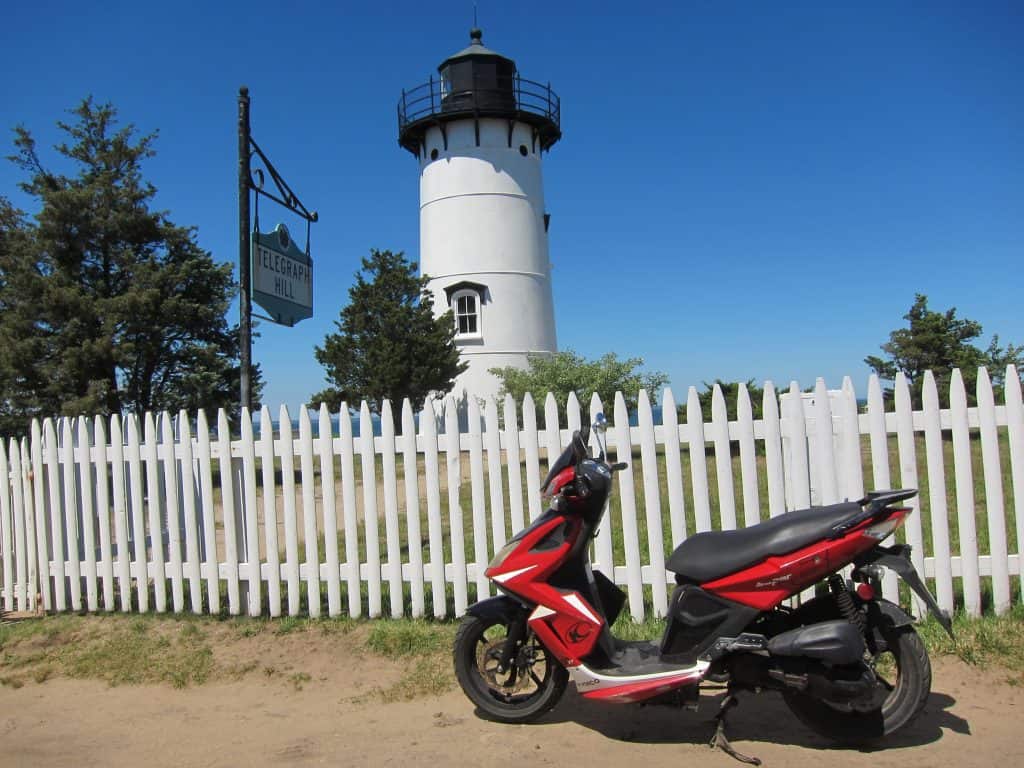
x: 478, y: 131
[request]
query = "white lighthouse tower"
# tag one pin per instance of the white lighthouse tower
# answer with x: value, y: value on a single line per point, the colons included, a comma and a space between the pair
x: 478, y: 131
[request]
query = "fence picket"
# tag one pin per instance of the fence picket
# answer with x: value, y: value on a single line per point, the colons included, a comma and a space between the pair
x: 7, y: 513
x: 211, y: 562
x: 70, y: 514
x: 479, y: 513
x: 1015, y: 438
x: 673, y: 468
x: 173, y: 513
x: 492, y: 442
x: 992, y: 470
x: 773, y: 451
x: 627, y: 501
x: 748, y: 461
x: 121, y: 538
x: 137, y: 497
x: 880, y: 468
x: 391, y: 532
x: 267, y: 462
x: 531, y: 451
x: 348, y: 506
x: 937, y: 493
x: 106, y: 561
x: 723, y: 459
x: 798, y: 488
x: 291, y: 533
x: 188, y: 499
x: 86, y: 522
x: 31, y: 553
x: 552, y: 434
x: 908, y: 478
x: 229, y: 511
x: 412, y: 509
x: 21, y: 569
x: 250, y: 519
x: 851, y: 486
x: 964, y: 494
x: 605, y: 560
x: 369, y: 480
x: 309, y: 523
x: 824, y: 448
x: 512, y: 465
x: 50, y: 450
x: 455, y: 532
x: 652, y: 505
x: 428, y: 434
x: 42, y: 531
x: 698, y: 462
x: 328, y: 492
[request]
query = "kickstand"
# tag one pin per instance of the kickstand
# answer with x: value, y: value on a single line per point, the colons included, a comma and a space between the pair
x: 720, y: 740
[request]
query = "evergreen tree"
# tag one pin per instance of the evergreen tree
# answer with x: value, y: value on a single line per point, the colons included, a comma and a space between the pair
x: 388, y: 345
x: 108, y: 305
x: 940, y: 342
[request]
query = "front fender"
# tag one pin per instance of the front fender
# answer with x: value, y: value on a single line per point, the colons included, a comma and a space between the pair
x: 499, y: 607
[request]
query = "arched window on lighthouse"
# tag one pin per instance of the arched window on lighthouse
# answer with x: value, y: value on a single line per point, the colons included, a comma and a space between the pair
x: 466, y: 300
x: 467, y: 313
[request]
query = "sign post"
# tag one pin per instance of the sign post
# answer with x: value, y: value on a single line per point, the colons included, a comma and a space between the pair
x: 283, y: 282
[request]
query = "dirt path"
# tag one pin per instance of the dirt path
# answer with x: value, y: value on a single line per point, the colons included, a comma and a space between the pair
x: 972, y: 719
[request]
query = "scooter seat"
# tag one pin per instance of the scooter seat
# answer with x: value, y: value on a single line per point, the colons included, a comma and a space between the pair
x: 714, y: 554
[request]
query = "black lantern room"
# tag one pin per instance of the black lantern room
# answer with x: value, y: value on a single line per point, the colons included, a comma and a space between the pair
x: 474, y: 83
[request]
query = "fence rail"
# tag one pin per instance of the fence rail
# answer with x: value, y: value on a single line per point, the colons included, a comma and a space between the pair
x: 154, y: 513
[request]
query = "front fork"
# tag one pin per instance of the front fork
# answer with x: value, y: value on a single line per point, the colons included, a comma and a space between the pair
x: 897, y: 559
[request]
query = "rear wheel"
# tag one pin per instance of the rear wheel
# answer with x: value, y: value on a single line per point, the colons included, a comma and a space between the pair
x: 904, y: 681
x: 532, y: 684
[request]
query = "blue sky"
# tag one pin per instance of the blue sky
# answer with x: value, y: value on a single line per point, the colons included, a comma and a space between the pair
x: 743, y: 190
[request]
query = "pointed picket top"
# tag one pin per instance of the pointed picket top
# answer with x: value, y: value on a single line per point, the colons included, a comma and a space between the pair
x: 773, y: 450
x: 698, y: 462
x: 992, y: 470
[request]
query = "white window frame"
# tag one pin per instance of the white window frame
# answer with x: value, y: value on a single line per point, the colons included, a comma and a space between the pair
x: 468, y: 293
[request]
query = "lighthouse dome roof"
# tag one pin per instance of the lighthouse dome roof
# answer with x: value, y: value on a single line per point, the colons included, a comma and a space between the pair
x: 475, y: 49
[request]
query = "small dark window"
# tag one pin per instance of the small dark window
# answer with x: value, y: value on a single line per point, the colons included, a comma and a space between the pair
x: 466, y: 314
x: 433, y: 154
x: 523, y: 150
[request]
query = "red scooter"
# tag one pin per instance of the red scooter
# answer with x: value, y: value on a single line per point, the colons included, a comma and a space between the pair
x: 727, y: 622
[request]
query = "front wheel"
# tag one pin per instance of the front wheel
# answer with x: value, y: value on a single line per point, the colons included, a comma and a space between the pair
x: 904, y: 682
x: 532, y: 684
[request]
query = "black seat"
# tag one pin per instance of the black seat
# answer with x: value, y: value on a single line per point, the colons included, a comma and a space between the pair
x: 713, y: 554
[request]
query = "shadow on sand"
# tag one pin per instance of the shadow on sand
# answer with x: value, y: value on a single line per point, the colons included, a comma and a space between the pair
x: 758, y: 718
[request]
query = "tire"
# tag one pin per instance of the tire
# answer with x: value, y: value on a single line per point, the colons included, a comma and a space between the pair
x: 900, y: 705
x: 532, y: 686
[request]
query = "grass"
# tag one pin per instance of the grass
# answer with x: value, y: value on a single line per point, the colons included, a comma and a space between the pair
x: 184, y: 652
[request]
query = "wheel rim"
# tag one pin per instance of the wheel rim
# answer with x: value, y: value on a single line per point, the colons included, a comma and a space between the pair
x: 527, y: 675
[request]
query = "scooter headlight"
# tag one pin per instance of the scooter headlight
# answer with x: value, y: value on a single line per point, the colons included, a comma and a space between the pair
x: 502, y: 554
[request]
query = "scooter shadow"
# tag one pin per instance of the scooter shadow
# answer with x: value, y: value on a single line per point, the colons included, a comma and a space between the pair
x: 759, y: 718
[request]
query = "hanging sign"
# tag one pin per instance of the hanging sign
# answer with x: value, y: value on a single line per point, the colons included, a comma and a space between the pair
x: 282, y: 277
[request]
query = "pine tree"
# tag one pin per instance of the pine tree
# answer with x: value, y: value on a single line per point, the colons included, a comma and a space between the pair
x: 389, y: 345
x: 109, y: 306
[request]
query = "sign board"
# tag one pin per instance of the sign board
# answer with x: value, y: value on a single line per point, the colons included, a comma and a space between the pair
x: 282, y: 277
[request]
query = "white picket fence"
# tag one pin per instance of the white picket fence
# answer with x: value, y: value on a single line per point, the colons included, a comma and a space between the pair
x: 150, y: 513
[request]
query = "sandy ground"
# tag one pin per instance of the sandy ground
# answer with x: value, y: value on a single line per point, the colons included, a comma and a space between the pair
x: 973, y: 718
